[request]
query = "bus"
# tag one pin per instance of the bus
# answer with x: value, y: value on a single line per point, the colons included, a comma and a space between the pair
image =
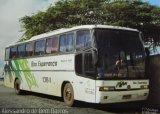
x: 90, y: 63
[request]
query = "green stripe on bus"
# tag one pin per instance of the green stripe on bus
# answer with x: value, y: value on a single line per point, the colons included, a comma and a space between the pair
x: 19, y: 67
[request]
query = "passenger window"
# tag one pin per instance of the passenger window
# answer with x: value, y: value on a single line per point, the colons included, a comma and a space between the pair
x: 29, y: 49
x: 63, y: 43
x: 7, y: 53
x: 52, y: 45
x: 67, y: 42
x: 13, y: 52
x: 70, y: 42
x: 39, y: 47
x: 83, y: 39
x: 21, y: 50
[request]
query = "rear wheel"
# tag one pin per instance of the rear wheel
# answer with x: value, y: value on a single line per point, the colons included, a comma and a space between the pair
x: 68, y: 94
x: 17, y: 83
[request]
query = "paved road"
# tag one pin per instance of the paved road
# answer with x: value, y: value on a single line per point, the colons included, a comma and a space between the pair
x: 41, y: 103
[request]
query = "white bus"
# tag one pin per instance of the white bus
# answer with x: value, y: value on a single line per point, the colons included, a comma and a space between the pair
x: 91, y: 63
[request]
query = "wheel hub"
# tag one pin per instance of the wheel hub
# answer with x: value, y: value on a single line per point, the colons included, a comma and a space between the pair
x: 68, y: 94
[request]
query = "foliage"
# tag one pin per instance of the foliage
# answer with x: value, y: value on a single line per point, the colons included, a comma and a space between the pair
x: 68, y: 13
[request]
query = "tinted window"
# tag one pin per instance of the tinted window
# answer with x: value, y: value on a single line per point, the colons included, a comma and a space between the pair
x: 79, y: 63
x: 70, y: 42
x: 83, y: 39
x: 13, y: 52
x: 51, y: 45
x: 7, y: 53
x: 88, y: 63
x: 29, y: 49
x: 63, y: 43
x: 39, y: 47
x: 21, y: 50
x: 67, y: 42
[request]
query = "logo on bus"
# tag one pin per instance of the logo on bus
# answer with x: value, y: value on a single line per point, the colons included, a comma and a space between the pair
x: 121, y: 84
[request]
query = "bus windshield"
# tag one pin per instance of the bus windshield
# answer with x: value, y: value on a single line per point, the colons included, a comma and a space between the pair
x: 120, y: 54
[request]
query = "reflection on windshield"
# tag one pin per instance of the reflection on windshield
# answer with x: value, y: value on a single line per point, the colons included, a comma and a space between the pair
x: 120, y: 54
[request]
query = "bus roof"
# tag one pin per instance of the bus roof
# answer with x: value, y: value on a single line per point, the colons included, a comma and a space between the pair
x: 63, y: 30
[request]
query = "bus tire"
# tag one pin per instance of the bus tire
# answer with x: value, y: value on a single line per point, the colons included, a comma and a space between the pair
x: 17, y: 83
x: 68, y: 94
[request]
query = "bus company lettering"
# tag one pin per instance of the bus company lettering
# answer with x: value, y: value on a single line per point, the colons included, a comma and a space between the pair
x: 46, y: 79
x: 139, y: 82
x: 43, y: 64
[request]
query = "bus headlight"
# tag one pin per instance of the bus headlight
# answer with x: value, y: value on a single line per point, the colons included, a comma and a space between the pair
x: 144, y: 87
x: 106, y: 88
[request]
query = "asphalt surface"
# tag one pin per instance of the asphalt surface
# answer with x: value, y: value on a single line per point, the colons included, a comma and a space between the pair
x: 39, y: 103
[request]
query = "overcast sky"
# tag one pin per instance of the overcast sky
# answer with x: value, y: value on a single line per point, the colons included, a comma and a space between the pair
x: 12, y: 10
x: 10, y: 13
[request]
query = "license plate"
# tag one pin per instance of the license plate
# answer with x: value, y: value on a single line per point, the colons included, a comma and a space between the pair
x: 126, y: 97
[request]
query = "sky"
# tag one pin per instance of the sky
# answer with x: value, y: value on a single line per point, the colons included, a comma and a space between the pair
x: 10, y: 13
x: 153, y: 2
x: 12, y: 10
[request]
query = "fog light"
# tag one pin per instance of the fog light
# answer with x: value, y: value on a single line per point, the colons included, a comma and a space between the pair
x: 105, y: 97
x: 144, y: 86
x: 145, y: 94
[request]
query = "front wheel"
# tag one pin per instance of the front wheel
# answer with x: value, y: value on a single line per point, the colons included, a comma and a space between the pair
x: 18, y: 91
x: 68, y: 94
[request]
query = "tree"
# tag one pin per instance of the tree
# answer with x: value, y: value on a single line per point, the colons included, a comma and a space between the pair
x: 68, y: 13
